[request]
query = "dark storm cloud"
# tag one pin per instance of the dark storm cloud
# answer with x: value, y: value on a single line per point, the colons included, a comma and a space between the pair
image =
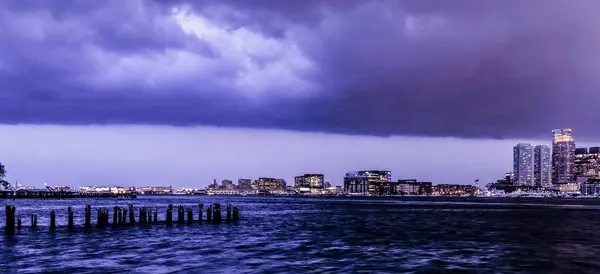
x: 435, y: 68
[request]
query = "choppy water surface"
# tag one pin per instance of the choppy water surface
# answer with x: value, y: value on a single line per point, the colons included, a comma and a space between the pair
x: 315, y: 235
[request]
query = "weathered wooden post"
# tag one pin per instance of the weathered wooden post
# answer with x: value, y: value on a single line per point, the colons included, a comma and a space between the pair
x: 88, y: 216
x: 70, y: 217
x: 34, y: 221
x: 115, y: 216
x: 180, y: 214
x: 52, y: 220
x: 228, y: 213
x: 10, y: 219
x: 170, y: 215
x: 156, y: 216
x: 200, y: 209
x: 150, y: 216
x: 209, y: 214
x: 19, y: 222
x: 141, y: 215
x: 236, y: 214
x: 124, y: 217
x: 131, y: 215
x: 217, y: 214
x: 190, y: 216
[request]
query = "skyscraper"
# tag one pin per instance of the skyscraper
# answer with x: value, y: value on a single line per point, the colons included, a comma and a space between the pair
x: 563, y: 156
x: 523, y: 164
x: 541, y: 165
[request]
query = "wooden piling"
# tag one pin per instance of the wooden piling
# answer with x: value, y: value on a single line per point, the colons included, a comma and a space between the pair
x: 115, y: 216
x: 190, y: 216
x: 180, y: 214
x: 150, y: 216
x: 236, y: 214
x: 141, y: 215
x: 170, y: 215
x: 228, y: 213
x: 131, y: 215
x: 52, y: 220
x: 19, y: 222
x: 10, y: 219
x: 217, y: 213
x: 70, y: 214
x: 88, y: 216
x: 200, y: 209
x: 33, y: 221
x: 155, y: 216
x: 124, y: 216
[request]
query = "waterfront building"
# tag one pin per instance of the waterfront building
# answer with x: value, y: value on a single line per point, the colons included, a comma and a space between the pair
x: 62, y: 188
x: 309, y: 181
x: 227, y: 184
x: 587, y: 164
x: 378, y: 180
x: 355, y: 184
x: 244, y: 184
x: 271, y: 184
x: 412, y: 187
x: 541, y: 165
x: 523, y: 164
x: 452, y: 190
x: 155, y: 190
x: 591, y: 187
x: 563, y: 156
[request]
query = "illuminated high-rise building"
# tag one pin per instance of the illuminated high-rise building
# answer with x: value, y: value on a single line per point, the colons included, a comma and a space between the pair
x: 587, y: 164
x: 523, y: 164
x: 563, y: 156
x: 541, y: 165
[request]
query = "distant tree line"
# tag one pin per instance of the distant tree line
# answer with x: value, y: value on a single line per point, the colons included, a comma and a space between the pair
x: 3, y: 182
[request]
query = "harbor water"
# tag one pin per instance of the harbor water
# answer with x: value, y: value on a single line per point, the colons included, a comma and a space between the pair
x: 314, y: 235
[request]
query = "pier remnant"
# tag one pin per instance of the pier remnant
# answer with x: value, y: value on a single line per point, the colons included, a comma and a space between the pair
x: 170, y: 215
x: 33, y: 221
x: 131, y: 215
x: 70, y: 214
x: 19, y: 222
x: 10, y: 219
x: 236, y: 214
x: 200, y: 209
x: 190, y: 216
x: 52, y: 220
x: 88, y: 216
x: 180, y: 214
x: 156, y: 216
x: 115, y: 216
x: 217, y: 213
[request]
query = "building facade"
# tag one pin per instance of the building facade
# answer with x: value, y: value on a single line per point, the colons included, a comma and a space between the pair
x: 563, y: 156
x: 271, y: 184
x: 309, y: 181
x: 587, y: 164
x: 523, y: 164
x: 244, y: 184
x: 541, y: 165
x: 378, y: 180
x: 354, y: 184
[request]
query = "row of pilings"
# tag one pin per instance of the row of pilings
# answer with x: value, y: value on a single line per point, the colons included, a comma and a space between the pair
x: 122, y: 217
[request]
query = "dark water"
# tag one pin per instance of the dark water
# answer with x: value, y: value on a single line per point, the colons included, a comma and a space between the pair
x: 316, y: 235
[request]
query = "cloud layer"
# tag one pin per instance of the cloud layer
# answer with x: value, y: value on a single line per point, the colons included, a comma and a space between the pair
x: 380, y: 67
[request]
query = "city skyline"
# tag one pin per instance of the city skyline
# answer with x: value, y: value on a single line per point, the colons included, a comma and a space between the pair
x: 342, y: 84
x: 123, y: 157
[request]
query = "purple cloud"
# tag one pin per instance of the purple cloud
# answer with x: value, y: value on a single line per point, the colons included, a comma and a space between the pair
x: 433, y: 68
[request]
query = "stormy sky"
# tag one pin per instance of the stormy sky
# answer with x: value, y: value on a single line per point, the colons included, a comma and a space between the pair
x: 379, y: 69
